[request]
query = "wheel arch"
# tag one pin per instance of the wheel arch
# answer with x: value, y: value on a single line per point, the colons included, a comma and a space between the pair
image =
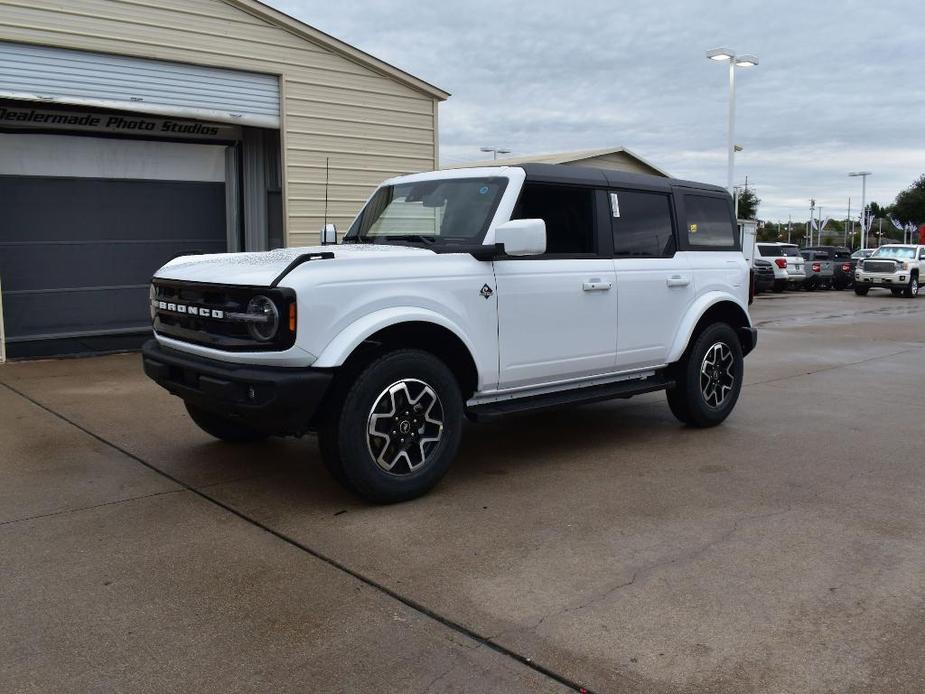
x: 383, y: 331
x: 711, y: 309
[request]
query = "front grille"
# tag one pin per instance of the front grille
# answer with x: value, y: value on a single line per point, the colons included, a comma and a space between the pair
x: 879, y: 266
x: 202, y: 314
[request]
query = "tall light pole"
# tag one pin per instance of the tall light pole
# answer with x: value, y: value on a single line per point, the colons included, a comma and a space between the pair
x: 725, y: 55
x: 495, y: 151
x: 863, y: 175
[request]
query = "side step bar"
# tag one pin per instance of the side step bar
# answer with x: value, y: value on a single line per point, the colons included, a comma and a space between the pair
x: 567, y: 398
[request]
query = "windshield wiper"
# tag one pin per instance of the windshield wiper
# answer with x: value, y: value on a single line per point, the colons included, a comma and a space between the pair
x: 429, y: 240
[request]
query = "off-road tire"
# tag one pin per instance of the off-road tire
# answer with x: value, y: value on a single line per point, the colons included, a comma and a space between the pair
x: 687, y: 399
x: 348, y: 447
x: 912, y: 289
x: 222, y: 428
x: 861, y: 291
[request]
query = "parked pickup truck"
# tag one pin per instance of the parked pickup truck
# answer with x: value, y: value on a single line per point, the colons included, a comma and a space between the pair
x: 819, y: 270
x: 896, y: 267
x: 843, y: 264
x: 467, y: 293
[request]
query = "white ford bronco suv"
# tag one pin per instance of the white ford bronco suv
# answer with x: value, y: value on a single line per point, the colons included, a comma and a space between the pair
x: 461, y: 294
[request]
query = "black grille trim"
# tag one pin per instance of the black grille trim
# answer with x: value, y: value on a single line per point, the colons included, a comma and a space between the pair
x: 219, y: 300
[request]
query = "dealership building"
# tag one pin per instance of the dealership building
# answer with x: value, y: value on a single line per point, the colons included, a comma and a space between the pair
x: 132, y: 131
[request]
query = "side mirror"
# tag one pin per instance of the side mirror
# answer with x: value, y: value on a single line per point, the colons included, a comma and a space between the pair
x: 328, y: 235
x: 521, y: 237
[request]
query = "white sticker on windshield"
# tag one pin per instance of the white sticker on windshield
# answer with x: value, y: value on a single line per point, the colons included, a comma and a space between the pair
x: 615, y: 204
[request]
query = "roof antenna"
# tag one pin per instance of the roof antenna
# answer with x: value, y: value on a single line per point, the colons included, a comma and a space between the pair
x: 327, y: 163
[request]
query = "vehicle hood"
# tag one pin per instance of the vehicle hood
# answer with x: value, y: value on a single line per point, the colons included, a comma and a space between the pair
x: 260, y: 269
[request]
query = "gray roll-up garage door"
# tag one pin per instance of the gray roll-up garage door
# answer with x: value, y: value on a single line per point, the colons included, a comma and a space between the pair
x: 80, y: 240
x: 58, y: 75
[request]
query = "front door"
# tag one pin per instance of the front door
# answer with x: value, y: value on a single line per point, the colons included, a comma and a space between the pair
x: 557, y: 312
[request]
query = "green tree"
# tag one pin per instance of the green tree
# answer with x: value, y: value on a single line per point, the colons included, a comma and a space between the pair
x: 878, y: 211
x: 910, y: 203
x: 748, y: 204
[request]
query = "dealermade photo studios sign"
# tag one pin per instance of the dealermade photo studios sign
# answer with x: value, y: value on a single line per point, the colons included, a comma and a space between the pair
x: 112, y: 123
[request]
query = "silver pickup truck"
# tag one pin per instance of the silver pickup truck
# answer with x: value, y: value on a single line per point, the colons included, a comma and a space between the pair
x: 820, y: 270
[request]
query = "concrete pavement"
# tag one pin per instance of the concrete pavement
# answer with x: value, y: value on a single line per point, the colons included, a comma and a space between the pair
x: 605, y: 546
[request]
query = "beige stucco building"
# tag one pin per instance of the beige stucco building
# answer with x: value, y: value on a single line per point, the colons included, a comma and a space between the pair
x: 211, y: 125
x: 618, y: 158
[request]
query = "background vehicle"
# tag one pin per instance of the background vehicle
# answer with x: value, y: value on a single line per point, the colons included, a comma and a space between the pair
x: 842, y: 264
x: 896, y: 267
x: 862, y: 253
x: 456, y: 294
x: 788, y: 264
x: 819, y: 272
x: 764, y: 275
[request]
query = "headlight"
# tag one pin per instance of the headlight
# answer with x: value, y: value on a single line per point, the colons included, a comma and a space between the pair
x: 266, y: 318
x: 904, y: 265
x: 860, y: 265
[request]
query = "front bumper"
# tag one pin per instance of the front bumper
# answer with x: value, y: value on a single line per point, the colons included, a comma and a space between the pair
x: 274, y: 400
x: 895, y: 279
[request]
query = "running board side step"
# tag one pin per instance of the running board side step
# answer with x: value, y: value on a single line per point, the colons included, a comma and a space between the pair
x: 567, y: 398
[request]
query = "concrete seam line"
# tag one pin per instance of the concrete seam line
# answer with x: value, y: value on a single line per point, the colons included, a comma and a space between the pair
x: 408, y: 602
x: 66, y: 511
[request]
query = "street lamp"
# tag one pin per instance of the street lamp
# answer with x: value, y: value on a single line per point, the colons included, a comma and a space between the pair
x: 725, y: 55
x: 495, y: 151
x: 863, y: 175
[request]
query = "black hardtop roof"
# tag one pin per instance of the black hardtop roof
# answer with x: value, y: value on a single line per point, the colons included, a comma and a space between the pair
x: 590, y: 176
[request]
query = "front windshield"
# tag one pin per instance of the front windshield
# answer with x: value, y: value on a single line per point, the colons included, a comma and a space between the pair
x: 894, y: 252
x: 456, y: 210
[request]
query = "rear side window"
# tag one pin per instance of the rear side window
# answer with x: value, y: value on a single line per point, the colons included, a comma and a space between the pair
x: 568, y: 213
x: 709, y: 222
x: 641, y: 224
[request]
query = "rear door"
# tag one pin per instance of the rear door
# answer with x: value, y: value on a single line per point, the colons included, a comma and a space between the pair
x: 654, y: 281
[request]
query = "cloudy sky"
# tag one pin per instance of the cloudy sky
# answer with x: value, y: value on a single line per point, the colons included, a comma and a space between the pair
x: 840, y: 87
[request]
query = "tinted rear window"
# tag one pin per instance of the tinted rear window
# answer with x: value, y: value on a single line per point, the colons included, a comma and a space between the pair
x: 709, y: 222
x: 641, y: 224
x: 772, y: 251
x: 790, y: 251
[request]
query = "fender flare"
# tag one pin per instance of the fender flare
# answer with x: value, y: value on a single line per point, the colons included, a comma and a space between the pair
x: 338, y: 349
x: 693, y: 316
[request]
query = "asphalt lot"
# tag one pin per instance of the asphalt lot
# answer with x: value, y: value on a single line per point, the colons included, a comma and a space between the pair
x: 604, y: 547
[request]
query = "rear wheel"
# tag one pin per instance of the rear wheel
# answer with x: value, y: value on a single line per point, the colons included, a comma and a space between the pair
x: 708, y: 378
x: 912, y: 289
x: 223, y: 428
x: 397, y: 428
x: 861, y: 291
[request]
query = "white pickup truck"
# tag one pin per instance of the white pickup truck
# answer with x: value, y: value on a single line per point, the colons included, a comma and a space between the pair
x: 897, y: 267
x: 466, y: 293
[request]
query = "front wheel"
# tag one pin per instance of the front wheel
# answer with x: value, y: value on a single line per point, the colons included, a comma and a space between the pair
x: 708, y: 378
x: 912, y: 289
x: 223, y: 428
x: 397, y: 427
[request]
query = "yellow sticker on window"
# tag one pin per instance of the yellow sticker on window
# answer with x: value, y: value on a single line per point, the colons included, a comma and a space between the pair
x: 693, y: 228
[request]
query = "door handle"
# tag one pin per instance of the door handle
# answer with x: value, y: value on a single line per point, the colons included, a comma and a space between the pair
x: 678, y: 281
x: 596, y: 285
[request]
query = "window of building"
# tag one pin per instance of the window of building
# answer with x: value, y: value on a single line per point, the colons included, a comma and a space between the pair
x: 709, y: 222
x: 641, y: 224
x: 568, y: 213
